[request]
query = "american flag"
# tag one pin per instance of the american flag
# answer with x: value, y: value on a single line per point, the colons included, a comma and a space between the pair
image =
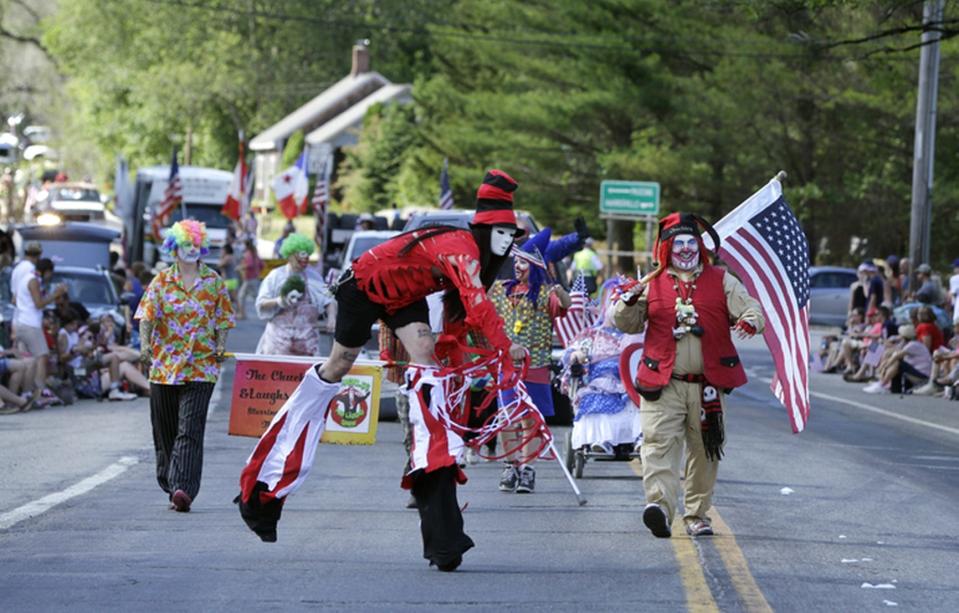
x: 577, y: 317
x: 172, y: 197
x: 763, y: 243
x: 446, y: 192
x: 321, y: 198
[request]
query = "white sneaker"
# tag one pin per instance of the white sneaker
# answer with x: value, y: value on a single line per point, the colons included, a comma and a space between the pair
x: 118, y: 394
x: 875, y: 387
x: 929, y: 389
x: 471, y: 456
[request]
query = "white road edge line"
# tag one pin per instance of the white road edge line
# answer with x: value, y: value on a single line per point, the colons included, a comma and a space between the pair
x: 866, y: 407
x: 42, y: 505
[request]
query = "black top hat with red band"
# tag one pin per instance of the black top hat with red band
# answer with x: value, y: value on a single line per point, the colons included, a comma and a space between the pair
x: 494, y: 202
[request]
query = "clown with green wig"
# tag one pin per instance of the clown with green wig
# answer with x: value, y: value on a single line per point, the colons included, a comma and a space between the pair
x: 291, y: 298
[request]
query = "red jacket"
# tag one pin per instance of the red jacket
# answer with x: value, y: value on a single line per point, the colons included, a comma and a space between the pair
x: 720, y: 360
x: 450, y: 259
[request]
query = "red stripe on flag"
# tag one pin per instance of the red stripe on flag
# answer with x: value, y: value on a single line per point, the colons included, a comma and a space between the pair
x: 787, y: 326
x: 798, y: 322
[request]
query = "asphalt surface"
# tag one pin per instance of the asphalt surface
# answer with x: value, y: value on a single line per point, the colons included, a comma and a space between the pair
x: 873, y: 487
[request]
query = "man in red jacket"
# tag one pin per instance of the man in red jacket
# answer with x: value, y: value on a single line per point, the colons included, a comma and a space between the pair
x: 687, y: 307
x: 390, y: 283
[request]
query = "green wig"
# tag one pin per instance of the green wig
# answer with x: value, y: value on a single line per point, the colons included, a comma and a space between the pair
x: 296, y: 243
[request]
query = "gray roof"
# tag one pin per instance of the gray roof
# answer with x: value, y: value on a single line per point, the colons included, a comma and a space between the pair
x: 330, y: 103
x: 336, y: 131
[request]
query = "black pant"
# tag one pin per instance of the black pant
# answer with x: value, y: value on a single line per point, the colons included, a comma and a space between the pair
x: 178, y: 414
x: 441, y: 521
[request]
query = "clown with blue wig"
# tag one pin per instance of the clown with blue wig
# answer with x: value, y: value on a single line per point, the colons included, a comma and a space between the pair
x: 528, y: 304
x: 291, y: 299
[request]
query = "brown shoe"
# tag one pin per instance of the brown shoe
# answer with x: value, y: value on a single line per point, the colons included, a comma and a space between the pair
x: 181, y: 501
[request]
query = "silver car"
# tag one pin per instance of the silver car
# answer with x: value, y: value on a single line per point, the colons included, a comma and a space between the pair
x: 829, y: 294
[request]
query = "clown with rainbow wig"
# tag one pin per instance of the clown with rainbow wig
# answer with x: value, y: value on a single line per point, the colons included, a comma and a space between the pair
x: 291, y: 299
x: 185, y: 315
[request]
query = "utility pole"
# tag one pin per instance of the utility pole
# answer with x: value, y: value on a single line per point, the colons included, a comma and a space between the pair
x: 925, y: 143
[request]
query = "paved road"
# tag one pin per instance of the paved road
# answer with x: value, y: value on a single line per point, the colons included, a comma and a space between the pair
x: 875, y: 487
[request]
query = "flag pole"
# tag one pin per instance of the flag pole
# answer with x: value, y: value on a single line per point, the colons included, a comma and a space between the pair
x: 781, y: 176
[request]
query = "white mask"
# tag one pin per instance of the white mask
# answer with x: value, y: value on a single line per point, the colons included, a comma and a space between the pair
x: 188, y: 254
x: 501, y: 239
x: 685, y: 254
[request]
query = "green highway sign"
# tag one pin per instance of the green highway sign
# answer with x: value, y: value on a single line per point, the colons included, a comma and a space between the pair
x: 631, y: 198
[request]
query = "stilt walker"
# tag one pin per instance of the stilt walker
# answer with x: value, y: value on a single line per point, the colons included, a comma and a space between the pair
x: 390, y: 283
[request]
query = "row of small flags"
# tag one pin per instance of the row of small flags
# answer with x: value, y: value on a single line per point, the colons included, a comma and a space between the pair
x: 291, y: 188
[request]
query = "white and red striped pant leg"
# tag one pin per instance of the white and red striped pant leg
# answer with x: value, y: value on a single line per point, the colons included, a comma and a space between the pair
x: 434, y: 445
x: 284, y: 454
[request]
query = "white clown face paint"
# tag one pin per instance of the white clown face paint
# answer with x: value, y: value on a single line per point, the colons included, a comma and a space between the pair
x: 501, y: 239
x: 188, y: 253
x: 300, y: 260
x: 521, y: 269
x: 685, y: 254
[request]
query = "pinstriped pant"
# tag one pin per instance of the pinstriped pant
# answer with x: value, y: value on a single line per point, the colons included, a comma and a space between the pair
x: 178, y: 414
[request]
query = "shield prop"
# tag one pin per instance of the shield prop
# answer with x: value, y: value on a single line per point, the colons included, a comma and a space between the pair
x: 629, y: 368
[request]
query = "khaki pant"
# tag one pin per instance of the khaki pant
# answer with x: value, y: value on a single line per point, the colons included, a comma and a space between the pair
x: 667, y: 422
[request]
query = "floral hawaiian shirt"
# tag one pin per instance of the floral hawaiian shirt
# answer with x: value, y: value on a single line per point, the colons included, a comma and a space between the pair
x: 185, y: 324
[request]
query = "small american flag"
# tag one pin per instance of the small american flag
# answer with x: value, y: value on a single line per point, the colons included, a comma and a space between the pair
x: 577, y: 318
x: 763, y: 243
x: 446, y: 192
x: 172, y: 198
x: 321, y: 198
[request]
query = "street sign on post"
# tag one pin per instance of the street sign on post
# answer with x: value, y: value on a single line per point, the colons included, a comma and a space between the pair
x: 629, y: 198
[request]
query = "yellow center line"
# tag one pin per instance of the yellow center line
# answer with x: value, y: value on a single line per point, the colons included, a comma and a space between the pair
x: 699, y: 598
x: 698, y: 595
x: 737, y: 567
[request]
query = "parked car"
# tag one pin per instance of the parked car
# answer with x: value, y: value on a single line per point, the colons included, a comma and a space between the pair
x: 829, y: 294
x: 91, y: 287
x: 81, y: 244
x: 73, y: 202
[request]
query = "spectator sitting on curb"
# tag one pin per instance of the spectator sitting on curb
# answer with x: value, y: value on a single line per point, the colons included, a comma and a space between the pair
x: 868, y: 367
x: 856, y: 343
x: 832, y: 345
x: 945, y: 366
x: 927, y: 330
x: 907, y: 366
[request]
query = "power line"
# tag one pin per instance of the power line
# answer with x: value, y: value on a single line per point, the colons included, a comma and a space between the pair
x: 624, y: 43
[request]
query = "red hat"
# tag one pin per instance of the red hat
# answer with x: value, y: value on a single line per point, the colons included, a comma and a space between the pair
x: 494, y: 201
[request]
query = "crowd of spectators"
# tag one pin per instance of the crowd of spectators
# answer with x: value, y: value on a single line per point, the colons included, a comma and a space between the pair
x: 895, y: 338
x: 56, y: 351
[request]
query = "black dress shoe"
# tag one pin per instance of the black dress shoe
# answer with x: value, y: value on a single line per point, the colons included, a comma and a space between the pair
x: 260, y: 517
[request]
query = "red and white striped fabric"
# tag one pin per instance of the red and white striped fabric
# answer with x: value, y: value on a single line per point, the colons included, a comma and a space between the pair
x: 284, y: 454
x: 763, y: 243
x: 434, y: 445
x: 576, y: 318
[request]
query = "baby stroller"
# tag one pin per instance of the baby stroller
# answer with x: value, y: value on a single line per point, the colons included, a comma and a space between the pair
x: 577, y: 456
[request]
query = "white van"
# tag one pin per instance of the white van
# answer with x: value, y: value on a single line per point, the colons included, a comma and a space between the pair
x: 204, y: 192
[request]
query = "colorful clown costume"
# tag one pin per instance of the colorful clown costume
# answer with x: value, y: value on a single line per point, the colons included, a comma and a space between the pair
x: 390, y: 283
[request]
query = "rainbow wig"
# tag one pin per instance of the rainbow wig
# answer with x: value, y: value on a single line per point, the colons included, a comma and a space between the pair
x: 185, y: 233
x: 296, y: 243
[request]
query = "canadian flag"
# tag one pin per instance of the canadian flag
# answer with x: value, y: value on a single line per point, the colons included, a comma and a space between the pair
x: 292, y: 188
x: 238, y: 198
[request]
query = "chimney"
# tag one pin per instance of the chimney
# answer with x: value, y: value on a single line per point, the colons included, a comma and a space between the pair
x: 361, y: 57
